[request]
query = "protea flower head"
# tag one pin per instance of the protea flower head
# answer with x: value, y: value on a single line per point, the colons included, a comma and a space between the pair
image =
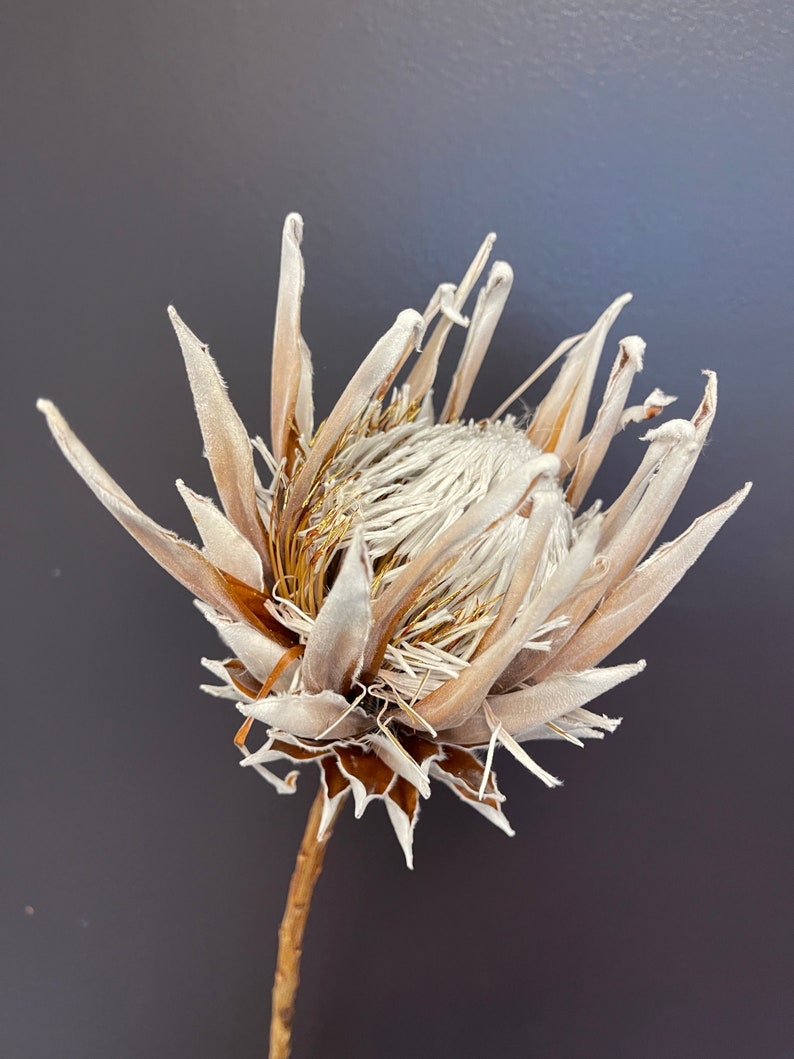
x: 411, y: 590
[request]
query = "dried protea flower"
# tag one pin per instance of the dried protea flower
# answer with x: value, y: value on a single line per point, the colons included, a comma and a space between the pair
x: 411, y: 591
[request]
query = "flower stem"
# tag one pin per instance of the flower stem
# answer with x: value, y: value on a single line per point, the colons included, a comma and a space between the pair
x: 307, y: 870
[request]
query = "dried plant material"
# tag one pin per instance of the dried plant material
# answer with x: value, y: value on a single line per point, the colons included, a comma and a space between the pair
x: 410, y: 593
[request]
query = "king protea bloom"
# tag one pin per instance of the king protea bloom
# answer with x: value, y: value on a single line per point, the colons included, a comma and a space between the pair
x: 412, y: 589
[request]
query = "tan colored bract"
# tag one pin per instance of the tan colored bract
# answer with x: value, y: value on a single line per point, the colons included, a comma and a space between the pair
x: 410, y: 591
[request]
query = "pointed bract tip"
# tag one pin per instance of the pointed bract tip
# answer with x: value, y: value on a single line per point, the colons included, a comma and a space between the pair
x: 181, y: 328
x: 185, y: 336
x: 179, y: 324
x: 740, y: 496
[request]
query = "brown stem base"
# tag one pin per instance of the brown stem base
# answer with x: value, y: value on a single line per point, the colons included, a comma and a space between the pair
x: 307, y: 870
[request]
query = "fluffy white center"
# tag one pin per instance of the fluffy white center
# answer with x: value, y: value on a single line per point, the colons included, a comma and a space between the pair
x: 405, y: 486
x: 414, y: 481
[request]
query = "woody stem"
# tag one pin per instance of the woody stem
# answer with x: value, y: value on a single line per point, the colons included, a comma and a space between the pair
x: 307, y: 870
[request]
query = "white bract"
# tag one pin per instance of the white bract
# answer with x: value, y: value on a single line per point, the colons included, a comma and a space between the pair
x: 410, y: 591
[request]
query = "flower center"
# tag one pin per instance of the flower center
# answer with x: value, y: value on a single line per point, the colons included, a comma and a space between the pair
x: 405, y: 486
x: 411, y: 483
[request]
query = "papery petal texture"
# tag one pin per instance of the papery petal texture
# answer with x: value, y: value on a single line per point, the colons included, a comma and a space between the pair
x: 413, y: 593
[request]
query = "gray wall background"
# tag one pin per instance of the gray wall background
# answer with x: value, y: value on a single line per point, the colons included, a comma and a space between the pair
x: 151, y: 152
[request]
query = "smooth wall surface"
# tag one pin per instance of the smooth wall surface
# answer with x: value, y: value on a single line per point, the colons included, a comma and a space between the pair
x: 150, y: 154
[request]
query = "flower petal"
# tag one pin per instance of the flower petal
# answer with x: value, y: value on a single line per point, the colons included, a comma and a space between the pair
x: 335, y: 646
x: 288, y: 785
x: 661, y: 443
x: 402, y: 805
x: 576, y: 725
x: 228, y: 689
x: 376, y: 367
x: 226, y: 440
x: 285, y: 746
x: 627, y: 363
x: 650, y: 408
x: 672, y: 453
x: 423, y: 374
x: 523, y: 758
x: 627, y: 543
x: 258, y: 653
x: 548, y: 700
x: 443, y: 301
x: 552, y: 358
x: 368, y: 775
x: 541, y: 519
x: 632, y: 524
x: 631, y: 603
x: 558, y: 421
x: 180, y: 558
x: 459, y: 698
x: 308, y: 716
x: 280, y: 750
x: 400, y: 760
x: 490, y: 304
x: 462, y: 772
x: 224, y: 545
x: 335, y: 788
x: 292, y: 411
